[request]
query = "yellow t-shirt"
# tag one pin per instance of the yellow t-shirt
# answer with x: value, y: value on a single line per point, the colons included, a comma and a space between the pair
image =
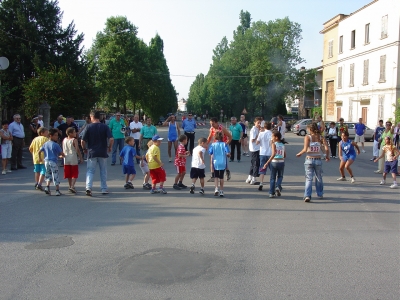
x: 151, y: 153
x: 34, y: 148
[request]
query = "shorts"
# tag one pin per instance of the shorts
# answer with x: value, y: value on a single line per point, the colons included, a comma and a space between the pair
x: 39, y: 168
x: 346, y: 158
x: 391, y: 166
x: 158, y: 175
x: 359, y: 139
x: 6, y: 151
x: 244, y: 136
x: 51, y: 172
x: 71, y: 171
x: 219, y: 174
x: 197, y: 173
x: 145, y: 168
x: 180, y: 169
x: 263, y: 160
x: 172, y: 139
x: 130, y: 170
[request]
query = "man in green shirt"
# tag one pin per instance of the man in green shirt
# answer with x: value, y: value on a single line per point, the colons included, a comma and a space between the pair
x: 146, y: 134
x: 117, y: 126
x: 237, y: 134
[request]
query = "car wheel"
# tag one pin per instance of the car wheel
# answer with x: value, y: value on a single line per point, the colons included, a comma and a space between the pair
x: 302, y: 132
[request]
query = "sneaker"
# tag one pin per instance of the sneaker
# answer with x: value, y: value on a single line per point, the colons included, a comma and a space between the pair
x: 253, y: 182
x: 130, y: 185
x: 307, y: 199
x: 8, y: 171
x: 238, y: 160
x: 353, y: 180
x: 216, y: 193
x: 335, y: 157
x: 394, y: 186
x: 231, y: 160
x: 58, y: 193
x: 39, y: 187
x: 221, y: 193
x: 169, y: 160
x: 35, y: 185
x: 278, y: 192
x: 382, y: 182
x: 372, y: 159
x: 152, y: 191
x: 192, y: 189
x: 162, y: 191
x: 182, y: 186
x: 113, y: 164
x: 47, y: 190
x: 126, y: 185
x: 378, y: 172
x: 272, y: 195
x: 363, y: 151
x: 201, y: 191
x: 104, y: 192
x: 212, y: 179
x: 248, y: 180
x: 247, y: 154
x: 89, y: 193
x: 176, y: 186
x: 260, y: 187
x: 228, y: 175
x: 341, y: 179
x: 4, y: 172
x: 147, y: 186
x: 72, y: 190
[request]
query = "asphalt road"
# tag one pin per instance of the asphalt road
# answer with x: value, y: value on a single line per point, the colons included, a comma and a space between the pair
x: 134, y: 245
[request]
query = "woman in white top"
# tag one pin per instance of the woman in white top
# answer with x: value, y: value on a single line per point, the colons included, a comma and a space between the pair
x: 333, y: 138
x: 313, y: 144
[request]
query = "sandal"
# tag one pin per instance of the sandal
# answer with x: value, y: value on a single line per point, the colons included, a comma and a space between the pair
x: 72, y: 190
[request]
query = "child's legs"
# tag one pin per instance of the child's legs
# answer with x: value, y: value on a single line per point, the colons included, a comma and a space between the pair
x: 169, y: 148
x: 194, y: 180
x: 221, y: 183
x: 146, y: 177
x: 131, y: 177
x: 177, y: 178
x: 384, y: 175
x: 175, y: 146
x: 272, y: 179
x: 280, y: 169
x: 347, y: 166
x: 4, y: 163
x: 37, y: 176
x: 202, y: 182
x: 70, y: 182
x: 341, y: 168
x: 182, y: 175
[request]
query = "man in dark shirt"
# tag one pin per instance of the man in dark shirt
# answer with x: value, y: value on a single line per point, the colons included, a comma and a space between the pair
x: 62, y: 129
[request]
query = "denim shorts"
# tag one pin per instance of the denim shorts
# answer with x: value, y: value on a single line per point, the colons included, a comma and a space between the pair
x: 263, y: 160
x: 391, y: 166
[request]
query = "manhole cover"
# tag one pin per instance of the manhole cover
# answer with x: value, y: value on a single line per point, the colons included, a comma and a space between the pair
x: 60, y: 242
x: 167, y: 266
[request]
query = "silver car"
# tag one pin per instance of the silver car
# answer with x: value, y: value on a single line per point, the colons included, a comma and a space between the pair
x: 300, y: 127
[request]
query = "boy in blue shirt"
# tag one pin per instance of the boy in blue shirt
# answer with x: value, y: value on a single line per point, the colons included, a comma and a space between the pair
x: 128, y: 166
x: 219, y: 151
x: 52, y: 151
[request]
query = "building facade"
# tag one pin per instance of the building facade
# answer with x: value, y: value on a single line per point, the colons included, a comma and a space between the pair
x: 182, y: 104
x: 367, y: 69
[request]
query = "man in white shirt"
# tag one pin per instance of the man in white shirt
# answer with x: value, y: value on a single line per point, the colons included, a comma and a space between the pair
x: 40, y: 120
x: 282, y: 128
x: 135, y: 127
x: 254, y: 152
x: 264, y: 140
x: 18, y: 134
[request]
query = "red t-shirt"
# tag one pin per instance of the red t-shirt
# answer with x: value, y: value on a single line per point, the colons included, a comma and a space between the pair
x: 214, y: 131
x: 180, y: 161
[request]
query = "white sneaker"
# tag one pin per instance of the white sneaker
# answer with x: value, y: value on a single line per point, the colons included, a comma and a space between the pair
x: 216, y: 192
x: 253, y: 182
x: 363, y: 151
x: 378, y: 172
x: 4, y: 172
x: 248, y: 180
x: 353, y: 180
x: 382, y: 182
x: 341, y: 179
x: 394, y: 186
x: 8, y: 171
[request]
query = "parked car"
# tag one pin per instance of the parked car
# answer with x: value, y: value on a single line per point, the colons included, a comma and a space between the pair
x: 300, y: 127
x: 161, y: 120
x: 80, y: 123
x: 368, y: 135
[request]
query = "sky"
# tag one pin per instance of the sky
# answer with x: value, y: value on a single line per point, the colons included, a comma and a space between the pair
x: 191, y: 29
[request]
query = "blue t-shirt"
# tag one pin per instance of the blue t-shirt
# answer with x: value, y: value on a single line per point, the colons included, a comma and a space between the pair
x: 96, y: 136
x: 378, y: 132
x: 219, y: 150
x: 189, y: 125
x: 128, y: 153
x: 51, y: 151
x: 359, y: 128
x: 348, y: 148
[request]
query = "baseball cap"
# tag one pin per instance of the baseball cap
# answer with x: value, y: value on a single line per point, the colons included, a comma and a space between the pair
x: 157, y: 138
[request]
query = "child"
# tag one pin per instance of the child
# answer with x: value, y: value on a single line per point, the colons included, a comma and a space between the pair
x: 219, y: 151
x: 128, y: 166
x: 52, y: 151
x: 264, y: 140
x: 145, y: 169
x: 6, y: 146
x: 180, y: 162
x: 71, y: 151
x: 347, y: 156
x: 391, y: 160
x: 38, y: 165
x: 157, y: 172
x: 277, y: 160
x: 198, y: 165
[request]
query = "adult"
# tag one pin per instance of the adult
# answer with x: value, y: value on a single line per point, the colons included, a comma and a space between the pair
x: 18, y: 133
x: 117, y: 127
x: 321, y: 125
x: 387, y: 132
x: 40, y: 120
x: 360, y: 131
x: 189, y: 128
x: 34, y: 126
x: 135, y: 127
x: 59, y: 121
x: 173, y: 134
x: 237, y: 136
x: 245, y: 142
x: 333, y: 138
x: 396, y: 138
x: 313, y: 144
x: 6, y: 147
x: 81, y: 132
x: 254, y: 151
x: 377, y: 135
x: 94, y: 143
x: 146, y: 134
x: 226, y: 138
x: 62, y: 128
x: 342, y: 128
x: 282, y: 128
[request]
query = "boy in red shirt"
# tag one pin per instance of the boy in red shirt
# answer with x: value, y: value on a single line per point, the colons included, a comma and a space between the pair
x: 180, y: 162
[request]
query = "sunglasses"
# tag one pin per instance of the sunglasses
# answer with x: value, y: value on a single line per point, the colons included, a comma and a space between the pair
x: 190, y: 115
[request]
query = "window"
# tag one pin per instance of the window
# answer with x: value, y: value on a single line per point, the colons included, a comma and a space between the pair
x: 330, y: 49
x: 366, y: 34
x: 351, y: 75
x: 364, y: 114
x: 339, y: 77
x: 365, y: 73
x: 350, y: 110
x: 338, y: 113
x: 382, y: 72
x: 384, y: 27
x: 380, y: 106
x: 341, y: 44
x: 353, y: 39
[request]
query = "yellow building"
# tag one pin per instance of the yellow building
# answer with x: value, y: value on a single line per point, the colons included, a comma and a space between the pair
x: 331, y: 110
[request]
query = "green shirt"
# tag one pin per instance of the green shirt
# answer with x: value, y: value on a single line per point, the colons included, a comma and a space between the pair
x: 115, y: 127
x: 236, y: 130
x: 148, y: 132
x: 385, y: 134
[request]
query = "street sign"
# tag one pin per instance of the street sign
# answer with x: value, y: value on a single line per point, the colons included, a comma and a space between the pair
x: 244, y: 111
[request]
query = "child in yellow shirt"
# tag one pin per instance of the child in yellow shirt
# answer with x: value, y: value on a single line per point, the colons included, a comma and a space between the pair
x: 38, y: 164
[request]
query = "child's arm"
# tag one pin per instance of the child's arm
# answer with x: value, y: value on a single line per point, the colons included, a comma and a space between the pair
x: 273, y: 152
x: 158, y: 161
x: 382, y: 155
x: 356, y: 146
x: 78, y: 151
x: 202, y: 157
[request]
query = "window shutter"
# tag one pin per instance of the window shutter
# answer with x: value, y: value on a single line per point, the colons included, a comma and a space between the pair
x: 351, y: 75
x: 382, y: 72
x: 365, y: 75
x: 339, y: 77
x: 330, y: 54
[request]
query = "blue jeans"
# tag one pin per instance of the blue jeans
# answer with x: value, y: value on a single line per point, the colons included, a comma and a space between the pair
x: 313, y: 166
x: 118, y: 143
x: 91, y: 169
x: 276, y: 178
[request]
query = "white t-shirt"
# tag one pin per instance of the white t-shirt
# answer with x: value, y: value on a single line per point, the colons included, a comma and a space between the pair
x: 135, y: 125
x: 265, y: 142
x: 41, y: 123
x: 283, y: 129
x: 196, y: 161
x: 253, y: 147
